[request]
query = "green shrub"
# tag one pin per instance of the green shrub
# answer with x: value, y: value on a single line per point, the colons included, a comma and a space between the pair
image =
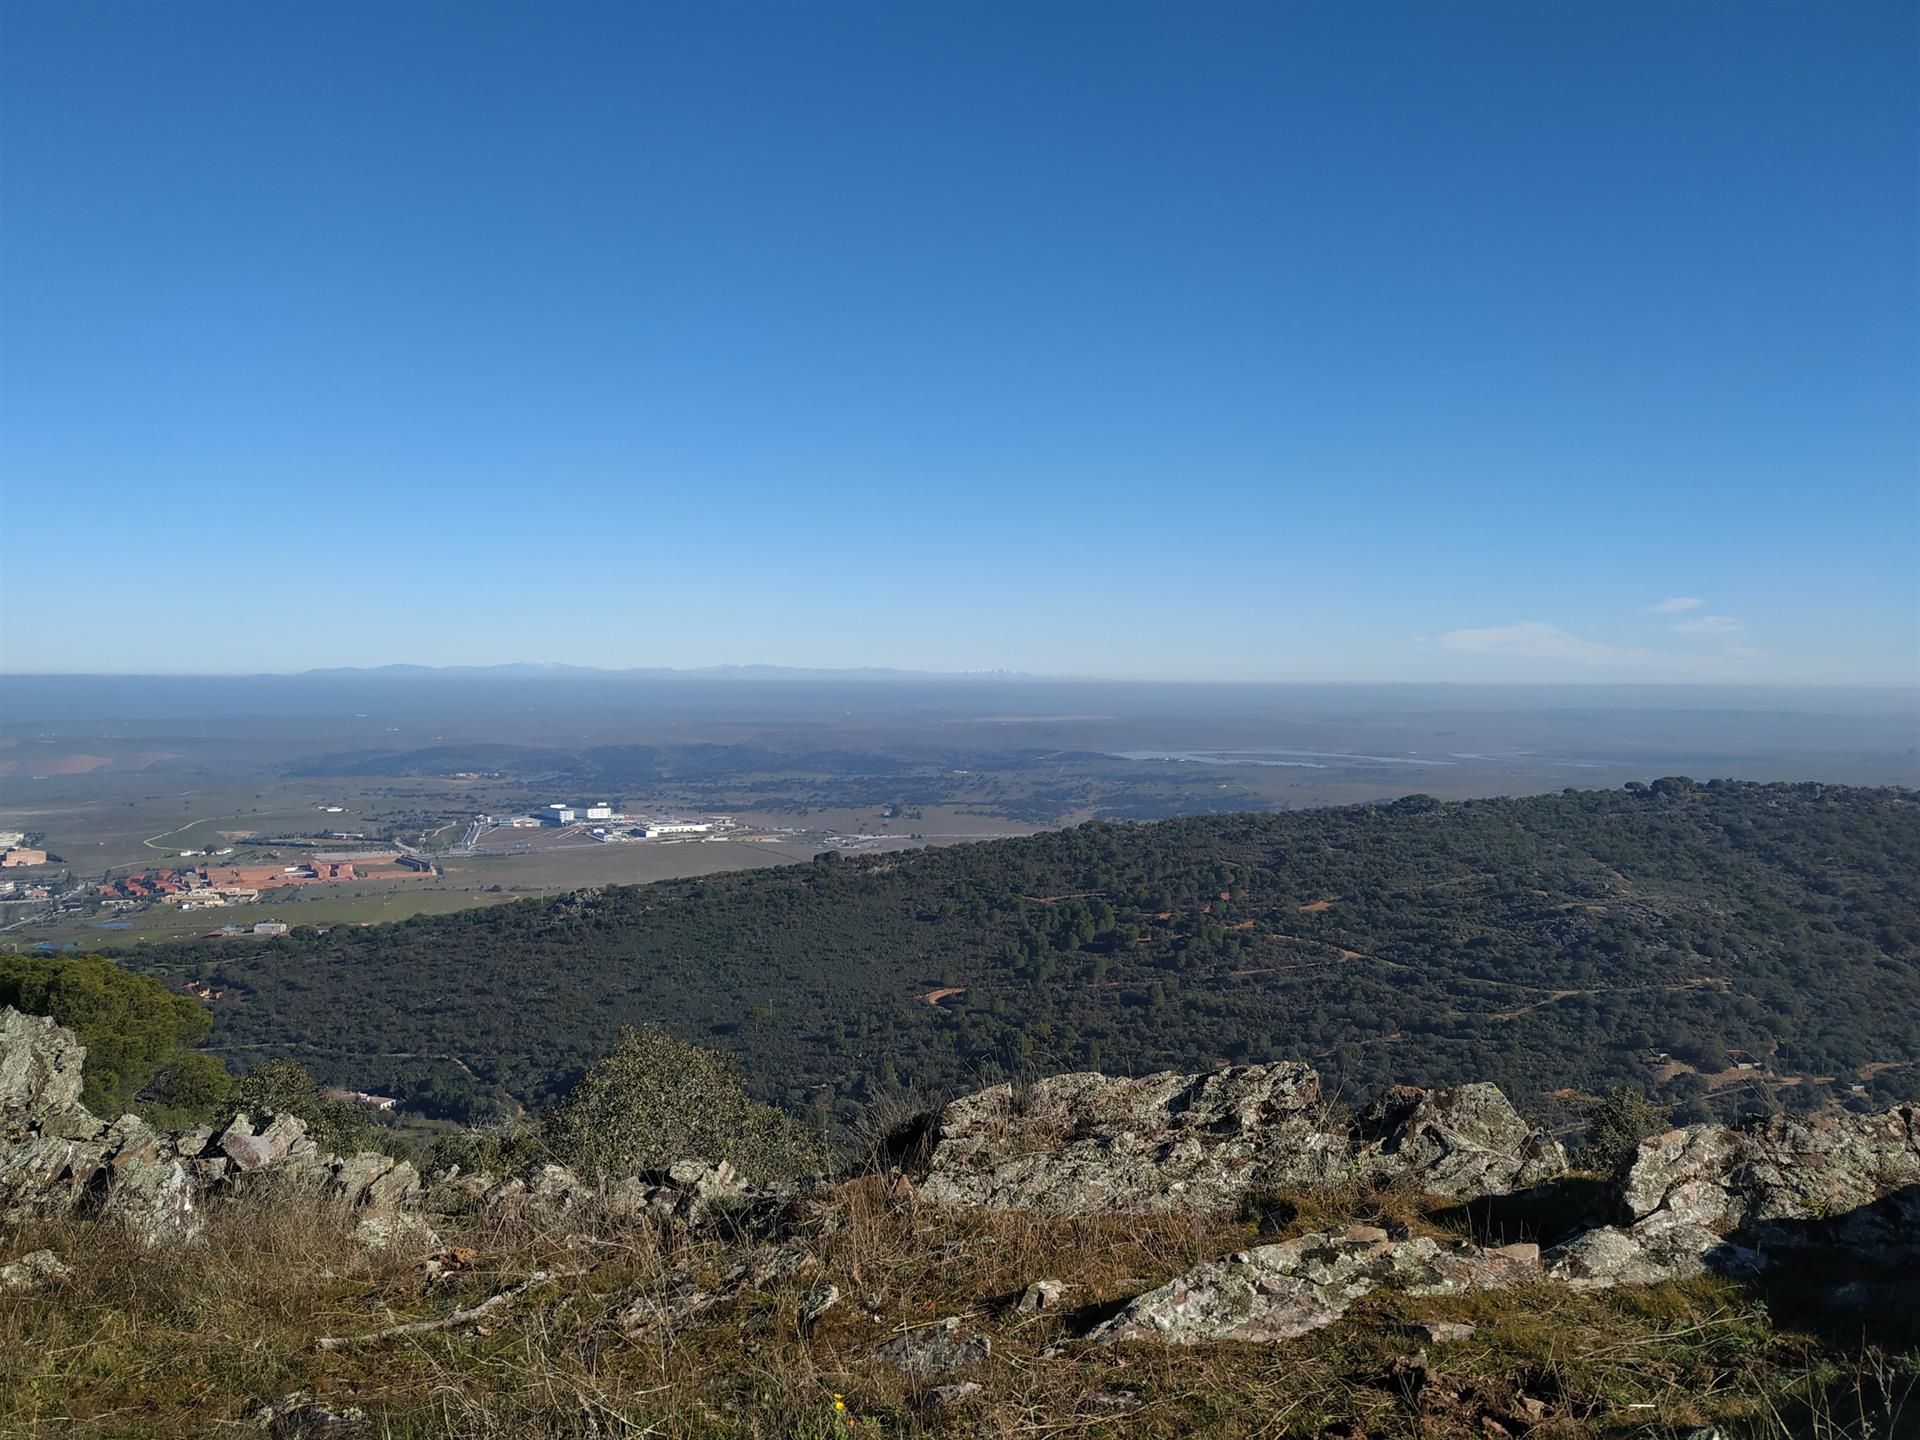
x: 505, y: 1149
x: 283, y: 1087
x: 1615, y: 1127
x: 132, y: 1025
x: 186, y: 1090
x: 656, y: 1100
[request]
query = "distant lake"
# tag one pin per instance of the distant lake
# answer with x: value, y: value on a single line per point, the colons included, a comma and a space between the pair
x: 1268, y: 757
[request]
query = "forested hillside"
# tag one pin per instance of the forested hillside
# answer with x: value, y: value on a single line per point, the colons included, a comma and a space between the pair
x: 1665, y: 937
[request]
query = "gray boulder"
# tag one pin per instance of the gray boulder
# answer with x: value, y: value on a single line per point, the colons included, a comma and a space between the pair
x: 1277, y: 1292
x: 33, y: 1270
x: 40, y: 1078
x: 148, y: 1187
x: 1712, y: 1198
x: 1466, y: 1141
x: 281, y: 1144
x: 46, y: 1176
x: 1090, y: 1143
x: 934, y: 1349
x: 1646, y: 1254
x: 390, y: 1231
x: 1782, y: 1169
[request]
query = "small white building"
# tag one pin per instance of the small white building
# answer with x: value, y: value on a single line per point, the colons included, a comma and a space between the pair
x: 558, y: 815
x: 602, y: 811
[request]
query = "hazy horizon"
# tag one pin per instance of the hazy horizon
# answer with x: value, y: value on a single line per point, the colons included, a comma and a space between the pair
x: 558, y: 670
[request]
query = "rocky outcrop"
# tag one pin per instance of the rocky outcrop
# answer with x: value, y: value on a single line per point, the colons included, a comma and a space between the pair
x: 1093, y: 1144
x: 1277, y: 1292
x: 1713, y: 1198
x: 1704, y: 1198
x: 1090, y: 1143
x: 690, y: 1192
x: 1464, y: 1141
x: 56, y: 1158
x: 1782, y: 1169
x: 40, y: 1079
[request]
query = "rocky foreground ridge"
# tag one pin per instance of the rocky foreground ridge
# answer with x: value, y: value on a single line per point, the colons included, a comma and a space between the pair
x: 1706, y: 1197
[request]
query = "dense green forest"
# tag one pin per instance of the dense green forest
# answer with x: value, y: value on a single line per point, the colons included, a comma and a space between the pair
x: 1654, y: 937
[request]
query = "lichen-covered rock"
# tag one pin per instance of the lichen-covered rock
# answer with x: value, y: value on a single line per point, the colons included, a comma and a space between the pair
x: 41, y: 1066
x: 1657, y: 1249
x: 147, y: 1184
x: 300, y: 1416
x: 1815, y: 1167
x: 1090, y: 1143
x: 1466, y: 1140
x: 46, y: 1176
x: 934, y: 1349
x: 33, y: 1270
x: 1712, y: 1198
x: 1277, y: 1292
x: 392, y: 1231
x: 354, y: 1175
x: 250, y: 1151
x: 1683, y: 1172
x: 557, y: 1187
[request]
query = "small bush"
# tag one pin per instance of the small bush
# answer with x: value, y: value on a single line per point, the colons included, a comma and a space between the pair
x: 656, y: 1100
x: 283, y: 1087
x: 1615, y: 1127
x: 187, y: 1091
x: 492, y: 1150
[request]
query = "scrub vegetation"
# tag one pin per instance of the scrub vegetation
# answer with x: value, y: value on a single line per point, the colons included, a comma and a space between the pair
x: 1720, y: 947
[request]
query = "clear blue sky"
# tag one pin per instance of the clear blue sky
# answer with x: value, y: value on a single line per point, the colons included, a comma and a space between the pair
x: 1316, y: 341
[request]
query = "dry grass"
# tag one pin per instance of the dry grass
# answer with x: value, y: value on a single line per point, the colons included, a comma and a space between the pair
x: 190, y: 1342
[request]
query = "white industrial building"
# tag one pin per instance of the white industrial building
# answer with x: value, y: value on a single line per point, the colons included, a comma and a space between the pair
x: 678, y: 827
x: 571, y: 814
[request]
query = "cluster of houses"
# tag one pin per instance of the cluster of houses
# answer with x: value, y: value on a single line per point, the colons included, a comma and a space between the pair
x: 211, y: 885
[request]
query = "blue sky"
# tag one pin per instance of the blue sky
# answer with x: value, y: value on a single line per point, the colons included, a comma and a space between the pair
x: 1266, y: 341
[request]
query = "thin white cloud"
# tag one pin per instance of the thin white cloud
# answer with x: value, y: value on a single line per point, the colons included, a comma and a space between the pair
x: 1710, y: 625
x: 1677, y: 604
x: 1537, y: 640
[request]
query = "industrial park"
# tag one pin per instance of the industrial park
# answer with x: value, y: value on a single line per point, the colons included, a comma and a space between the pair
x: 602, y: 822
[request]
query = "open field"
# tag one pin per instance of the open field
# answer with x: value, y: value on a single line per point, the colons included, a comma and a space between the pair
x: 312, y: 905
x: 97, y: 829
x: 573, y: 866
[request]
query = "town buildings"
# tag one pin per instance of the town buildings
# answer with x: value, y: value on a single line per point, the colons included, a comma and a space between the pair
x: 207, y: 885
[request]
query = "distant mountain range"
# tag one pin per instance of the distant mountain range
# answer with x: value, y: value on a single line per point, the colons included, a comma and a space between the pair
x: 540, y: 670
